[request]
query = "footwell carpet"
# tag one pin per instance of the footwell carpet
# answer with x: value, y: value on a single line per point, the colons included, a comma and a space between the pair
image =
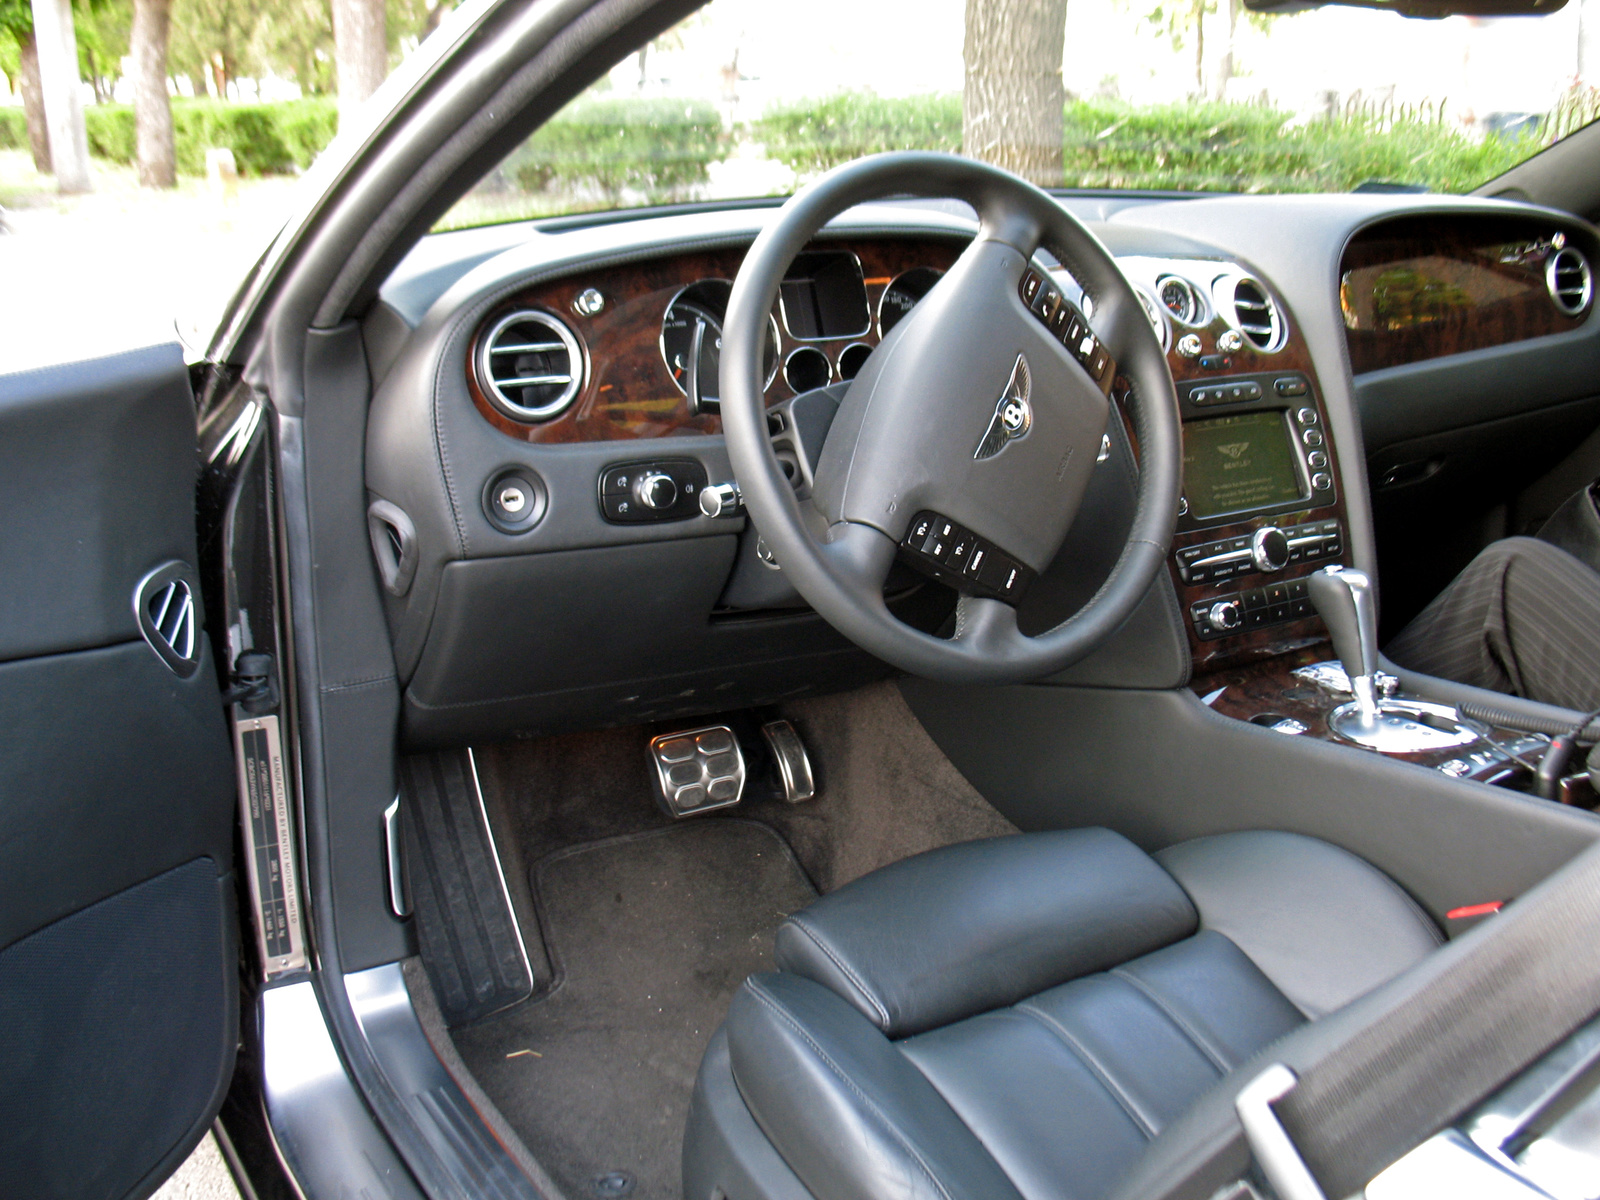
x: 651, y: 934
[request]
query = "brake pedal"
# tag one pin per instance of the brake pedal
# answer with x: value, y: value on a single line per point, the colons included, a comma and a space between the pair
x: 794, y: 764
x: 698, y: 770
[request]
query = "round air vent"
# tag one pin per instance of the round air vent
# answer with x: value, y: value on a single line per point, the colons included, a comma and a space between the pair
x: 530, y: 365
x: 1250, y: 310
x: 1566, y: 274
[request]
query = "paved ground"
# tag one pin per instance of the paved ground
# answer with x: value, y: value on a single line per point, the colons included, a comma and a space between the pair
x: 203, y: 1177
x: 118, y: 267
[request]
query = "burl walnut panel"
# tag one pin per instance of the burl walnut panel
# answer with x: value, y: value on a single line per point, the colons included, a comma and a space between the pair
x: 628, y: 392
x: 1425, y: 287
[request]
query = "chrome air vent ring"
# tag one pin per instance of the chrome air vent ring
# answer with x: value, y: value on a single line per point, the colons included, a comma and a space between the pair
x: 530, y: 365
x: 1569, y: 280
x: 1248, y: 307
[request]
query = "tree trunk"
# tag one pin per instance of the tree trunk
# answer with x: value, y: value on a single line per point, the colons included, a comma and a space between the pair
x: 360, y: 49
x: 33, y: 105
x: 1200, y: 48
x: 152, y: 110
x: 1013, y: 97
x: 63, y: 102
x: 1225, y: 68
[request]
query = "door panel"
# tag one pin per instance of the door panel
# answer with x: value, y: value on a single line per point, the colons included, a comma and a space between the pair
x: 118, y: 966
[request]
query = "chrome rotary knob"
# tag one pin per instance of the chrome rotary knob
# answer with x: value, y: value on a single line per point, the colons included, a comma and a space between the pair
x: 1225, y: 614
x: 656, y: 491
x: 1269, y: 549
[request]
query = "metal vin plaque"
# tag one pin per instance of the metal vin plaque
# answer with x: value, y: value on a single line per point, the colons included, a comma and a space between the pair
x: 269, y: 845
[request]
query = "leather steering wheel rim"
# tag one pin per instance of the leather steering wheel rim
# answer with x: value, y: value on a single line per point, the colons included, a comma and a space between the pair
x: 913, y: 424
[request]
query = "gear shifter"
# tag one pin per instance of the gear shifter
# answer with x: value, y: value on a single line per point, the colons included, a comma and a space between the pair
x: 1344, y: 599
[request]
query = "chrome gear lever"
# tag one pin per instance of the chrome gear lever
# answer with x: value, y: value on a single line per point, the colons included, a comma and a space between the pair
x: 1344, y: 599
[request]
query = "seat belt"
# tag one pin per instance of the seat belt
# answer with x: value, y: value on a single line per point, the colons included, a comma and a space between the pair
x: 1484, y: 1009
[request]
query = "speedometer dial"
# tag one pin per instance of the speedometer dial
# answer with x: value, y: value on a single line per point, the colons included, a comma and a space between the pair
x: 902, y: 294
x: 694, y: 319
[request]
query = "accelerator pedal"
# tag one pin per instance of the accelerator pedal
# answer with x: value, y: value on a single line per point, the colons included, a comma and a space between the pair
x: 698, y: 770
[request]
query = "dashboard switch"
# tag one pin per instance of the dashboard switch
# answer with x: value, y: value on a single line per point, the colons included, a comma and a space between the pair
x: 654, y: 490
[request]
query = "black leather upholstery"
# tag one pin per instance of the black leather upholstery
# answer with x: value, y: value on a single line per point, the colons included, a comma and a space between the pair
x: 1018, y: 1018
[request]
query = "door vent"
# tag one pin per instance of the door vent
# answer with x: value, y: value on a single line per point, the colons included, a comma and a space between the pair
x: 530, y: 365
x: 1567, y: 276
x: 1256, y: 316
x: 164, y: 605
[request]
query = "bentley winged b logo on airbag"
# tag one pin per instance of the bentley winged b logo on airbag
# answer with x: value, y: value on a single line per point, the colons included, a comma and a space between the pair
x: 1013, y: 413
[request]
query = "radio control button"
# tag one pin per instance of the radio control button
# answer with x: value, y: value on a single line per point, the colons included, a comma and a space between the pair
x: 1321, y: 481
x: 1225, y: 614
x: 1306, y: 416
x: 1311, y: 437
x: 1269, y: 549
x: 1316, y: 460
x: 1289, y: 387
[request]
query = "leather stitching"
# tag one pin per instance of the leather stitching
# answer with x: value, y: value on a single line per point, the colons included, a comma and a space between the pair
x: 772, y: 1006
x: 1095, y: 1068
x: 844, y: 969
x: 1201, y: 1043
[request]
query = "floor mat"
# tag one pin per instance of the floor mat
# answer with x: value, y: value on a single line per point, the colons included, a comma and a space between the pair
x: 651, y: 933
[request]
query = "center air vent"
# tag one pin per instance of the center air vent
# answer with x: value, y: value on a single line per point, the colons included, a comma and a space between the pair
x: 1571, y: 285
x: 1254, y: 314
x: 530, y: 366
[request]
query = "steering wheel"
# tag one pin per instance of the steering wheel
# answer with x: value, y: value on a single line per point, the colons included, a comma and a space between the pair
x: 964, y: 445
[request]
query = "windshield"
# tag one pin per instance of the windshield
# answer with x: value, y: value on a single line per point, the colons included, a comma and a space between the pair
x: 744, y: 100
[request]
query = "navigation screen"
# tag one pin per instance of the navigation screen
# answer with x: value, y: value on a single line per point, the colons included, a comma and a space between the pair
x: 1231, y: 464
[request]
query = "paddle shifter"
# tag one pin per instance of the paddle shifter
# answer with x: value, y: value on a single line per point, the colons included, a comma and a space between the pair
x: 1345, y: 601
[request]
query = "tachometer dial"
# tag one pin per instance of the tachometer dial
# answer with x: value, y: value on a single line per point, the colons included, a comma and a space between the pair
x: 902, y: 294
x: 694, y: 319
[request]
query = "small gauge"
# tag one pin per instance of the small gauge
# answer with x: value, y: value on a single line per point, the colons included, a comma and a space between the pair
x: 1179, y: 298
x: 694, y: 318
x: 902, y: 294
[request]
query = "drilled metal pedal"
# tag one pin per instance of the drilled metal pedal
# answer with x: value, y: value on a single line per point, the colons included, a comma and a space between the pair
x: 793, y: 763
x: 698, y: 770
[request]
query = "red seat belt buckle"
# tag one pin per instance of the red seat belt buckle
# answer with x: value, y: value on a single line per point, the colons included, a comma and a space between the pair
x: 1474, y: 910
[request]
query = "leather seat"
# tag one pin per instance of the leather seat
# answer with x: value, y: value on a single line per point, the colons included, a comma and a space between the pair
x: 1018, y: 1018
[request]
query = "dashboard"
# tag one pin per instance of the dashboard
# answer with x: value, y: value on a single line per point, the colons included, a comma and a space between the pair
x: 546, y: 423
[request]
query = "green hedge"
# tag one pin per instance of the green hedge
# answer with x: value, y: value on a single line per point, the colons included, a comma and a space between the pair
x: 13, y: 128
x: 659, y: 148
x: 1183, y: 147
x: 265, y: 138
x: 814, y: 135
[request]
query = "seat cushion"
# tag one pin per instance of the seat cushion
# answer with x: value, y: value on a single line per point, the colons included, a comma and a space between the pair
x: 966, y: 928
x: 1020, y: 1017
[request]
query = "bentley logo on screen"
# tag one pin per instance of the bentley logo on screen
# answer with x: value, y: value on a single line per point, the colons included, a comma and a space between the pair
x: 1013, y: 413
x: 1233, y: 449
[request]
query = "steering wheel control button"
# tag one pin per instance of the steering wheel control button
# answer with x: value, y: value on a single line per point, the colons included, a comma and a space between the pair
x: 1071, y: 327
x: 514, y: 500
x: 697, y: 770
x: 959, y: 558
x: 658, y: 490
